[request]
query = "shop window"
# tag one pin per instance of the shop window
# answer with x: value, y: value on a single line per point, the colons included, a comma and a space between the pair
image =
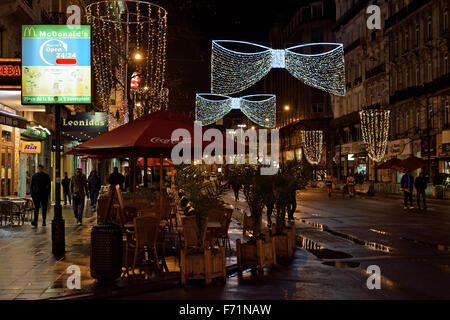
x: 6, y: 136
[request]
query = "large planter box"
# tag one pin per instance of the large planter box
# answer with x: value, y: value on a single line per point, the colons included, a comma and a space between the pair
x: 447, y: 194
x: 285, y: 243
x: 205, y: 265
x: 256, y: 254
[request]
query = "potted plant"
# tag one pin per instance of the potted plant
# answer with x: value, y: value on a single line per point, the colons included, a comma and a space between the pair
x: 259, y: 251
x: 289, y: 179
x: 199, y: 260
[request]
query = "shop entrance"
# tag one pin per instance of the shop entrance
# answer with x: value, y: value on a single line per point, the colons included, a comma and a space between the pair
x: 7, y: 172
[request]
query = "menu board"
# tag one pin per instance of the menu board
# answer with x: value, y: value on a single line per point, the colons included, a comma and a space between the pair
x: 56, y: 64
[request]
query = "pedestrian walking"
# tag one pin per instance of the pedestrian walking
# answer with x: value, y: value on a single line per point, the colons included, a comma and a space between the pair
x: 79, y: 189
x: 421, y: 186
x: 407, y: 186
x: 329, y: 184
x: 351, y: 186
x: 94, y: 186
x: 40, y: 191
x: 116, y: 178
x: 292, y: 205
x: 66, y: 189
x: 236, y: 186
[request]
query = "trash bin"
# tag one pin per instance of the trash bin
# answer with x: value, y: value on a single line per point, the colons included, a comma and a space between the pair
x: 106, y: 252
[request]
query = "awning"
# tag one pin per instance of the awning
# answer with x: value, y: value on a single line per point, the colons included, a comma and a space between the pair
x: 13, y: 120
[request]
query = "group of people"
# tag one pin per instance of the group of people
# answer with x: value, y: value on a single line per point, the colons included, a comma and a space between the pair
x: 349, y: 186
x: 75, y: 191
x: 407, y: 185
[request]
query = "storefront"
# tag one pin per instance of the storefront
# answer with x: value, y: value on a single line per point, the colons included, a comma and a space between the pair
x: 353, y: 160
x: 443, y: 143
x: 10, y: 126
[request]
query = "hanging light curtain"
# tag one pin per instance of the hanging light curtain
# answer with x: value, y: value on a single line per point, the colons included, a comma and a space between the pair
x: 375, y: 131
x: 312, y: 145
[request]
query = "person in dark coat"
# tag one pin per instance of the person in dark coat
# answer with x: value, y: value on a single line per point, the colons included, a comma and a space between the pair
x: 66, y: 188
x: 421, y: 186
x: 116, y: 178
x: 407, y: 186
x: 94, y: 186
x: 40, y: 190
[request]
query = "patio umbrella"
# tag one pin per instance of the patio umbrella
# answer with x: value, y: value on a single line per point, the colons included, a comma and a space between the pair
x: 154, y: 162
x: 389, y: 164
x: 148, y: 136
x: 411, y: 163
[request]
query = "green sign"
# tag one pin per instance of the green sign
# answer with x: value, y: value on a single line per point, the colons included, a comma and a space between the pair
x: 56, y: 64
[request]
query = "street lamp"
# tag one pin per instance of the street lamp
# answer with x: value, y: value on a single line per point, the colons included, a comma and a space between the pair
x: 287, y: 108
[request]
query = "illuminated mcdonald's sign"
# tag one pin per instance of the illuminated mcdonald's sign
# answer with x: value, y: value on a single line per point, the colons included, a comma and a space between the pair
x: 29, y: 31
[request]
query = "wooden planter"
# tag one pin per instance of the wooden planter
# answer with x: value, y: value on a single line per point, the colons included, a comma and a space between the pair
x: 285, y: 244
x: 205, y: 265
x: 256, y: 254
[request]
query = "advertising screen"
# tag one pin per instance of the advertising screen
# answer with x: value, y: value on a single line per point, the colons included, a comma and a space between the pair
x: 56, y: 64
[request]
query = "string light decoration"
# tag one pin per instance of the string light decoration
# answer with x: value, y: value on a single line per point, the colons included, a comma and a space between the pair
x: 233, y: 71
x: 259, y: 108
x: 312, y: 145
x: 375, y: 131
x: 129, y: 36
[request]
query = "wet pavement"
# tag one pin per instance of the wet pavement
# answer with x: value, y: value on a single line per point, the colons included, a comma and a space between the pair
x: 340, y: 238
x: 29, y: 270
x: 337, y: 239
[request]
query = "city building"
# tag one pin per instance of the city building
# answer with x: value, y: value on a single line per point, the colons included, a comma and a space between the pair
x: 301, y: 107
x: 419, y: 86
x: 366, y: 84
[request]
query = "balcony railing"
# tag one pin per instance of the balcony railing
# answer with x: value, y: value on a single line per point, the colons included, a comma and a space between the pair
x: 354, y: 44
x: 417, y: 91
x: 374, y: 71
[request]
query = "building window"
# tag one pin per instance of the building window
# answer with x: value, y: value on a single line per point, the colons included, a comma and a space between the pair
x: 446, y: 64
x: 317, y: 107
x: 417, y: 35
x: 430, y: 71
x: 397, y: 124
x: 445, y: 19
x: 418, y: 119
x: 429, y: 29
x: 407, y: 121
x: 395, y: 47
x: 446, y: 113
x: 417, y: 75
x: 406, y: 41
x: 407, y: 78
x: 316, y: 10
x: 6, y: 136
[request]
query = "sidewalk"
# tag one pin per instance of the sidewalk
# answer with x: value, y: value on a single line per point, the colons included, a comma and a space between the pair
x: 29, y: 270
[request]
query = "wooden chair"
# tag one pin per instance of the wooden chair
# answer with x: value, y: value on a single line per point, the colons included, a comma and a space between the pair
x: 166, y: 212
x: 222, y: 233
x: 29, y: 208
x: 196, y: 260
x: 5, y: 212
x: 146, y: 229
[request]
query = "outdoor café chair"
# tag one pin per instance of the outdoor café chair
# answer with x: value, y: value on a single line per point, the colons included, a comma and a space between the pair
x: 146, y: 229
x: 222, y: 233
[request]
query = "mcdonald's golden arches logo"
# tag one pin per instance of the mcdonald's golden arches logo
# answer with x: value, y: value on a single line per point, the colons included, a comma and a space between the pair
x: 30, y: 30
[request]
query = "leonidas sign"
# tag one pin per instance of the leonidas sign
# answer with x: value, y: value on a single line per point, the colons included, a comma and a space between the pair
x: 85, y: 122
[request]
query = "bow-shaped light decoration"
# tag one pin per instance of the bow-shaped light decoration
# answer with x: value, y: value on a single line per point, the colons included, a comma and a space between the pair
x: 260, y: 108
x: 233, y: 71
x: 313, y: 145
